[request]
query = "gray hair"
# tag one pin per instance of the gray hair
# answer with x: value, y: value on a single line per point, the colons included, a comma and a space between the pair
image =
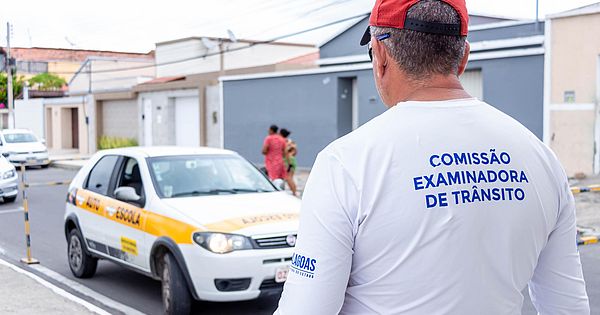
x: 422, y: 55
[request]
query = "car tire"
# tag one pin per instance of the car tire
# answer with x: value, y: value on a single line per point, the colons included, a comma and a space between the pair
x: 9, y: 199
x: 175, y: 294
x: 45, y: 165
x: 82, y: 264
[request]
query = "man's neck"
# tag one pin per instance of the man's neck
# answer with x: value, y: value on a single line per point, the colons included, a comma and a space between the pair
x: 439, y: 88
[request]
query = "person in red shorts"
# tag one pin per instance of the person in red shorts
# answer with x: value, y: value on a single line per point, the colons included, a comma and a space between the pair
x: 274, y: 150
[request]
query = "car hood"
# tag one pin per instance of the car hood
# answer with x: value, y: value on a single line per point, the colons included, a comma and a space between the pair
x: 5, y: 165
x: 25, y: 147
x: 246, y: 214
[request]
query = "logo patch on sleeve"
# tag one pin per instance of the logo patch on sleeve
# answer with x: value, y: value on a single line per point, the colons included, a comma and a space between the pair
x: 303, y: 266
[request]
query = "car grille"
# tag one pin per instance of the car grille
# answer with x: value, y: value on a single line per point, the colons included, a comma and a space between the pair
x: 270, y: 284
x: 272, y: 242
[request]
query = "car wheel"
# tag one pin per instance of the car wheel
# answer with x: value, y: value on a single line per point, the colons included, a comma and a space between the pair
x: 9, y: 199
x: 45, y: 165
x: 81, y: 263
x: 175, y: 294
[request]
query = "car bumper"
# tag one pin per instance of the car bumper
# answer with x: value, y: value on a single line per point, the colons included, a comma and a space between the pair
x: 34, y: 159
x: 258, y: 265
x: 9, y: 187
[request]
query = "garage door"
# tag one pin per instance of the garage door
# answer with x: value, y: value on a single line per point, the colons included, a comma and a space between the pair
x: 472, y: 82
x: 120, y: 119
x: 187, y: 121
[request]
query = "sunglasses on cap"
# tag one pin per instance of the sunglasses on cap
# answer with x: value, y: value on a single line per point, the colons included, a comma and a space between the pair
x: 379, y: 38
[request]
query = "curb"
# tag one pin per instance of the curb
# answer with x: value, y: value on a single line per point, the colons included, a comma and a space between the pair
x: 587, y: 240
x: 65, y: 166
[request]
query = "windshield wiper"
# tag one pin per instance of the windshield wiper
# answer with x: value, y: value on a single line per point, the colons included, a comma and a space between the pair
x: 204, y: 192
x: 216, y: 192
x: 190, y: 193
x: 247, y: 190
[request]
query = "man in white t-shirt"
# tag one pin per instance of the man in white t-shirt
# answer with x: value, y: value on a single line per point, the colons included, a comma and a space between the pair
x: 442, y: 204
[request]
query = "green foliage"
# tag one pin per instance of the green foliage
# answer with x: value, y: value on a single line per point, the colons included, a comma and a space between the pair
x: 46, y: 82
x: 18, y: 82
x: 107, y: 142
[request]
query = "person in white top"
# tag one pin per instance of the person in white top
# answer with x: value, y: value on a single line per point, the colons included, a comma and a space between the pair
x: 442, y: 204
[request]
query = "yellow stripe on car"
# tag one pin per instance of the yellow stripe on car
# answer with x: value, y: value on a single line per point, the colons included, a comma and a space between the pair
x: 134, y: 217
x: 231, y: 225
x: 159, y: 225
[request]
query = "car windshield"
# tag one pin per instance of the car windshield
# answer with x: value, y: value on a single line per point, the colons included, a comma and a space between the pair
x: 19, y: 137
x: 200, y: 175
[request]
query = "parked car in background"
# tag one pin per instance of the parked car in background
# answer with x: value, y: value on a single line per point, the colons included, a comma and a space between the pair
x: 9, y: 180
x: 22, y: 146
x: 204, y: 221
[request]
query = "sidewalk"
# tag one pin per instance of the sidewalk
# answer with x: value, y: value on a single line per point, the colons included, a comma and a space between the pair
x: 68, y: 161
x: 587, y: 204
x: 24, y: 293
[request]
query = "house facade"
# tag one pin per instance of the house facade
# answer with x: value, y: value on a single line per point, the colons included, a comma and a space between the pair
x: 99, y: 103
x: 182, y: 105
x: 124, y: 98
x: 506, y: 69
x: 573, y: 88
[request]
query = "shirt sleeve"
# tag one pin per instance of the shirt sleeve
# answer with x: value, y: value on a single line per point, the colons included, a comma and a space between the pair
x: 321, y: 264
x: 557, y: 285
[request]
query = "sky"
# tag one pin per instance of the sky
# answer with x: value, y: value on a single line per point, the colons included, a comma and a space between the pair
x: 135, y: 26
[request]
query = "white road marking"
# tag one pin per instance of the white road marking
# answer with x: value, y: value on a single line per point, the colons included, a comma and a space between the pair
x: 11, y: 211
x: 87, y: 291
x: 75, y: 286
x: 57, y: 290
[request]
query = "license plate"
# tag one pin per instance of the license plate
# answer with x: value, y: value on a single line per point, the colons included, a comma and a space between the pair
x: 31, y: 159
x: 281, y: 274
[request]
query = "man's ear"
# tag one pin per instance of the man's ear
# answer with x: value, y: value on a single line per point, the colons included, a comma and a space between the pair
x: 465, y: 59
x: 380, y: 58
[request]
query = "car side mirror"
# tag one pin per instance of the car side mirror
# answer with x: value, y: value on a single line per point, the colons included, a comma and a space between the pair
x: 5, y: 154
x: 43, y: 141
x: 126, y: 194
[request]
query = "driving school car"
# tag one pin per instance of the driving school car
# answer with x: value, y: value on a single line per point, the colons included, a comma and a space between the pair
x: 204, y: 221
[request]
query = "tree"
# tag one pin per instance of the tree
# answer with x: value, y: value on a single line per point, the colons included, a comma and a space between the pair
x: 18, y: 83
x: 46, y: 82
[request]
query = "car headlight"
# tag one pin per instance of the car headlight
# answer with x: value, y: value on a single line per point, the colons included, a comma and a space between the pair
x: 8, y: 174
x: 221, y: 243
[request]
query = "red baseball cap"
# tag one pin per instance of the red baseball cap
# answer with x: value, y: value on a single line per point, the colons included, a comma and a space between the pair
x: 392, y: 13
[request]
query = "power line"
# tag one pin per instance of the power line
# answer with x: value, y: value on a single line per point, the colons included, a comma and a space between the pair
x: 224, y: 52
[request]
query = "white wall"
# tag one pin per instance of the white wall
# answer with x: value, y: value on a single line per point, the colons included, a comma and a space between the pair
x: 29, y: 114
x: 257, y: 55
x: 213, y: 107
x: 140, y: 71
x: 472, y: 82
x: 120, y: 118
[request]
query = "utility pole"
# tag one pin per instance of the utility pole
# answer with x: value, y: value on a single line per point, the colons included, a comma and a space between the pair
x: 537, y: 15
x: 9, y: 85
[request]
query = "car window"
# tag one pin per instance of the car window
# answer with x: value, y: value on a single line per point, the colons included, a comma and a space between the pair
x: 99, y: 178
x: 130, y: 176
x: 195, y: 175
x: 19, y: 137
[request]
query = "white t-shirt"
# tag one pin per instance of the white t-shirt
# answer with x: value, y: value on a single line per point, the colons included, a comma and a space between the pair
x: 448, y: 207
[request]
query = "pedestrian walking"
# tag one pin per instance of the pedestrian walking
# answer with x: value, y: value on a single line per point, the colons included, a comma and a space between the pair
x: 274, y: 149
x: 289, y: 160
x: 440, y: 205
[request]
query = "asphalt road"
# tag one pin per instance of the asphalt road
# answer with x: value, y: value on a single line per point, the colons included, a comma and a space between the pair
x: 137, y: 291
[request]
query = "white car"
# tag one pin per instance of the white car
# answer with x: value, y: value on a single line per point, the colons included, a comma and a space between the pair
x: 9, y: 180
x: 22, y: 146
x: 205, y: 222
